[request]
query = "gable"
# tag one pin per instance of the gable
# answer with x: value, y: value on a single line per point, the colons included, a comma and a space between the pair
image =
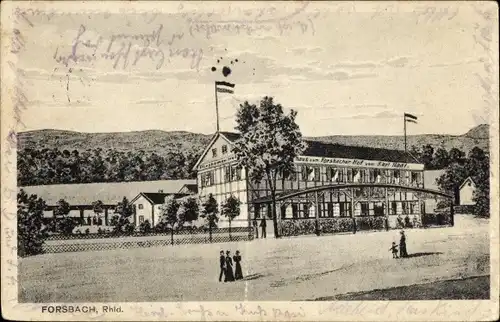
x: 468, y: 183
x: 217, y: 143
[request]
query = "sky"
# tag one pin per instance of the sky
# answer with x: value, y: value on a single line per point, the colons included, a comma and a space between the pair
x: 348, y: 69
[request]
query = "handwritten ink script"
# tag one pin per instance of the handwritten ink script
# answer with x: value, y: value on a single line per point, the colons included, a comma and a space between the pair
x: 252, y: 21
x: 124, y: 49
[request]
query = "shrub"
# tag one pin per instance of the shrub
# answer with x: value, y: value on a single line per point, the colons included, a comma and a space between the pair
x: 145, y: 227
x: 336, y: 225
x: 370, y: 223
x: 436, y: 219
x: 298, y: 227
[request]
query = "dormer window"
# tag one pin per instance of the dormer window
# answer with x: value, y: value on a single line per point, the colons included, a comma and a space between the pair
x: 214, y: 153
x: 224, y: 149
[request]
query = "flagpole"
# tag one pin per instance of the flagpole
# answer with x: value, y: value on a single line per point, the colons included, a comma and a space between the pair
x: 216, y: 106
x: 404, y: 121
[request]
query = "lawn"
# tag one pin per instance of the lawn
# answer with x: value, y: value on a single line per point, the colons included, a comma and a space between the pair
x: 302, y: 268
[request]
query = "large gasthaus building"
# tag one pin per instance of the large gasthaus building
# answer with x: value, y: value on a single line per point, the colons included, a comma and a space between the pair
x: 331, y: 180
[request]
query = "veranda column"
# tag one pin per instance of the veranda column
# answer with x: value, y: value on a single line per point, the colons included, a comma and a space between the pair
x: 386, y: 209
x: 352, y: 211
x: 316, y: 212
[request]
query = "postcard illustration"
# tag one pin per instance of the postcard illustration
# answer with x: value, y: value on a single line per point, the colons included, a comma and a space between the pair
x: 267, y: 161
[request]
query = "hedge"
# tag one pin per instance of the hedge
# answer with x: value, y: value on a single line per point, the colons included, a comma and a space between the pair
x: 371, y: 223
x: 437, y: 219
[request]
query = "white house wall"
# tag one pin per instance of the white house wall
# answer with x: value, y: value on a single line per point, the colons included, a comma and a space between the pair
x: 146, y: 211
x: 467, y: 193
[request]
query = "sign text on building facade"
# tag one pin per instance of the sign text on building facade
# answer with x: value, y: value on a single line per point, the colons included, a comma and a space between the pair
x: 359, y: 163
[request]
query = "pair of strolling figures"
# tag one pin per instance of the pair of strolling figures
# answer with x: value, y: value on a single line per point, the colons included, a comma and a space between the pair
x: 226, y: 267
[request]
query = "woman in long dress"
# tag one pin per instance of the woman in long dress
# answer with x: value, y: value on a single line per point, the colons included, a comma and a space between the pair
x: 229, y: 276
x: 402, y: 246
x: 238, y: 273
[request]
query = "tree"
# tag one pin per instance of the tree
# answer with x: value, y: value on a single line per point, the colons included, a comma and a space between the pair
x: 169, y: 214
x: 98, y: 208
x: 441, y: 159
x: 231, y: 209
x: 30, y: 231
x: 189, y: 210
x: 427, y: 156
x: 125, y: 211
x: 475, y: 160
x: 457, y: 156
x: 268, y: 144
x: 481, y: 197
x: 210, y: 213
x: 452, y: 178
x: 145, y: 227
x: 64, y: 223
x: 415, y: 152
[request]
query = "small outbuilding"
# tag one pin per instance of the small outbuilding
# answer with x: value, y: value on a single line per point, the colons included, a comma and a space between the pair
x: 466, y: 192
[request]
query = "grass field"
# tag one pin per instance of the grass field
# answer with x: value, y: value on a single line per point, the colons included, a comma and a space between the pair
x: 303, y: 268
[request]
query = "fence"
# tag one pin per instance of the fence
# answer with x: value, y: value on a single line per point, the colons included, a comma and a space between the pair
x: 184, y: 231
x: 99, y: 242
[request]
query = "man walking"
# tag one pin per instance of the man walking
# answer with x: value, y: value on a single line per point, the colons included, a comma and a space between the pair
x: 222, y: 264
x: 263, y: 224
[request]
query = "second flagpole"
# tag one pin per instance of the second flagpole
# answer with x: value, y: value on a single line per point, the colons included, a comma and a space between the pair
x: 404, y: 121
x: 216, y: 106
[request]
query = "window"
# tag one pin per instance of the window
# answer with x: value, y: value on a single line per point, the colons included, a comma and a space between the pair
x: 372, y: 175
x: 364, y: 208
x: 334, y: 175
x: 405, y: 207
x: 378, y: 209
x: 207, y: 179
x: 224, y: 149
x: 214, y: 153
x: 330, y: 209
x: 140, y: 206
x: 349, y: 175
x: 141, y: 219
x: 341, y: 175
x: 295, y: 211
x: 227, y: 174
x: 235, y: 173
x: 345, y: 209
x: 394, y: 208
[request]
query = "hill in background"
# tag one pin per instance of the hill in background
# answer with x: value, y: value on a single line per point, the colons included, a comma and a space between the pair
x: 163, y: 142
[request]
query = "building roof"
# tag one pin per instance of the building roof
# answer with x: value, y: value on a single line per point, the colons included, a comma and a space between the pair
x: 157, y: 198
x: 108, y: 193
x: 334, y: 150
x: 231, y: 136
x: 189, y: 188
x: 469, y: 179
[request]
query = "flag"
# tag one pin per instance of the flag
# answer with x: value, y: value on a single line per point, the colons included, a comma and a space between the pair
x: 410, y: 118
x: 224, y: 87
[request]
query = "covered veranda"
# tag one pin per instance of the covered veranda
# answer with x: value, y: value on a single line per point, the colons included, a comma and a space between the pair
x: 342, y: 208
